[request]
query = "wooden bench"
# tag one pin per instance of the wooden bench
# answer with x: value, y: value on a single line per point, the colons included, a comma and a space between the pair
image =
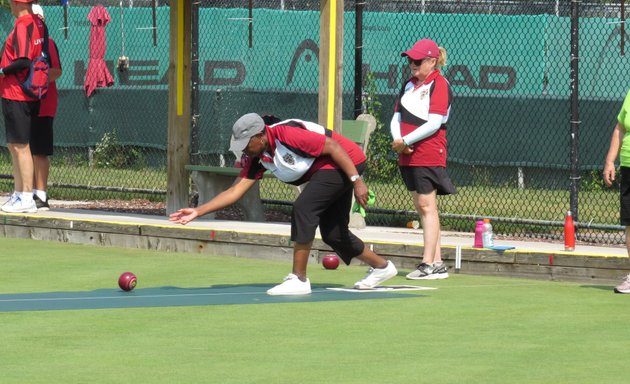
x: 212, y: 180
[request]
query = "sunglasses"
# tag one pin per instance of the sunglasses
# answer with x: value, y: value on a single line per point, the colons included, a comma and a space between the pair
x: 416, y: 62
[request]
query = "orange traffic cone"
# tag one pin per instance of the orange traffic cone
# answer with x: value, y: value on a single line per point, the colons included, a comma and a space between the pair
x: 569, y: 233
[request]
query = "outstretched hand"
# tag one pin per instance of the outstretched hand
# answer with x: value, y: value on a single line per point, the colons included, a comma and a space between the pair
x: 183, y: 216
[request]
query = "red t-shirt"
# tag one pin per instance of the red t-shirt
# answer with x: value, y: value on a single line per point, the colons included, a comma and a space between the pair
x: 24, y: 41
x: 292, y: 136
x: 48, y: 105
x: 415, y: 102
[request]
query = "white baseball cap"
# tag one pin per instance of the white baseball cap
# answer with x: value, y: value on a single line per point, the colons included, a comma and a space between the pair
x: 37, y: 10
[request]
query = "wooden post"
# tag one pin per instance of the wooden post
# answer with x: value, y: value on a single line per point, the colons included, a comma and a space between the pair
x: 330, y: 64
x: 179, y: 88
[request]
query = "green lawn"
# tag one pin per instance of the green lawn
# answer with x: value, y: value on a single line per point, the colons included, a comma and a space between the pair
x: 596, y: 206
x: 471, y: 329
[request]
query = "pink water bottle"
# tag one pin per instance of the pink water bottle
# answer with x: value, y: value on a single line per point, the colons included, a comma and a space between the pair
x: 479, y: 234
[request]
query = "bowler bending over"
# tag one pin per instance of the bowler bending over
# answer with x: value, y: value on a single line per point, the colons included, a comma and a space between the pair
x: 297, y: 151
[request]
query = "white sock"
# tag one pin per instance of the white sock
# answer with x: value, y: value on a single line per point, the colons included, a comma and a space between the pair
x: 27, y: 197
x: 41, y: 194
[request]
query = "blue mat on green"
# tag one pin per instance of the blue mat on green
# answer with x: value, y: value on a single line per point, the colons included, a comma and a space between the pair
x: 173, y: 297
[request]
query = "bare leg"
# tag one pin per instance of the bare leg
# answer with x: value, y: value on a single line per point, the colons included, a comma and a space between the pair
x: 300, y: 259
x: 426, y: 205
x: 438, y: 247
x: 22, y: 167
x: 372, y: 259
x: 41, y: 167
x: 17, y: 178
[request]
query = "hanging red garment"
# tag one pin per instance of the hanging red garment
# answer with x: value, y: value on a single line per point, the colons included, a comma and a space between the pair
x: 97, y: 74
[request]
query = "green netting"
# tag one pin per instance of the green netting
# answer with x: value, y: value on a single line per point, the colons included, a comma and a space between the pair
x: 508, y: 64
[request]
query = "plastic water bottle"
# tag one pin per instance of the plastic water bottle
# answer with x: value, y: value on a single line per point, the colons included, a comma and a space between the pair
x: 478, y: 234
x: 487, y: 234
x: 569, y: 232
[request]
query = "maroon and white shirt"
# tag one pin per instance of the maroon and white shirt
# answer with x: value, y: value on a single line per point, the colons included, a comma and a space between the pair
x: 415, y: 102
x: 295, y: 152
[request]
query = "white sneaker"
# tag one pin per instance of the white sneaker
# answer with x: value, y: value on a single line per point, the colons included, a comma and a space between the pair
x: 291, y: 285
x: 12, y: 200
x: 20, y: 206
x: 376, y: 276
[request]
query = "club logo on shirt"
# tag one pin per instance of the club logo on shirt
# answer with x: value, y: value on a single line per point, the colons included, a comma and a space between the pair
x: 424, y: 93
x: 288, y: 158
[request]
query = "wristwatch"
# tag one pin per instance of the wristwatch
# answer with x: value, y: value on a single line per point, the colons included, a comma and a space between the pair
x: 354, y: 178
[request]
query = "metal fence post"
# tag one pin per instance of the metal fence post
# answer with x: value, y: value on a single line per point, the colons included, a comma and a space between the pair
x: 575, y: 116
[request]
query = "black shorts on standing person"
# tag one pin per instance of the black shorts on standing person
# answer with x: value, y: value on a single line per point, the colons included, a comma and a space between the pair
x: 624, y: 196
x: 42, y: 142
x: 19, y: 119
x: 427, y: 179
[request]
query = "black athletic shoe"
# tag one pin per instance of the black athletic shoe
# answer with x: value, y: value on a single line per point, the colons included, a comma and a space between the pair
x: 41, y: 205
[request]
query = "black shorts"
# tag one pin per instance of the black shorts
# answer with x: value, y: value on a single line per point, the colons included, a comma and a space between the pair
x: 18, y: 120
x: 425, y: 180
x: 42, y: 136
x: 624, y: 196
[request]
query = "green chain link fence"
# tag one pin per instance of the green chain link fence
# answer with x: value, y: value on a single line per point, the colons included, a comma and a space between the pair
x: 509, y: 65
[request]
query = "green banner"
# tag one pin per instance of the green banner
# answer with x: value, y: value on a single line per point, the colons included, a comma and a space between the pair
x: 510, y: 76
x: 488, y: 54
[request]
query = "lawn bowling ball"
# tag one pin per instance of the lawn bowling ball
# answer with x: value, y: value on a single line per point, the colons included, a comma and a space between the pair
x: 330, y: 261
x: 127, y: 281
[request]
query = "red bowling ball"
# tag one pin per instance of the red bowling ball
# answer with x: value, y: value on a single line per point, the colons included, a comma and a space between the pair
x: 127, y: 281
x: 330, y: 261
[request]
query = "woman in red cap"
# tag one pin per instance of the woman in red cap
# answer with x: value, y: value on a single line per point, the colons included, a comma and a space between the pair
x: 418, y: 129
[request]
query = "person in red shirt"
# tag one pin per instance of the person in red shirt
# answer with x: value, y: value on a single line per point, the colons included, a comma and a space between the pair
x: 297, y: 151
x: 23, y: 44
x: 418, y: 129
x: 41, y: 142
